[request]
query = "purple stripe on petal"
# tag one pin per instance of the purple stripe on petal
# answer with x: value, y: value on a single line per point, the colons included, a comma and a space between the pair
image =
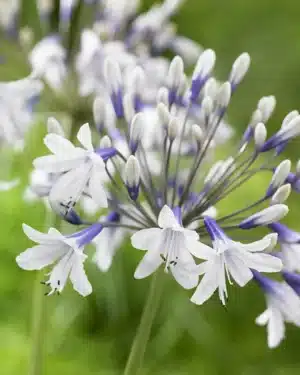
x: 213, y: 229
x: 293, y: 280
x: 177, y: 214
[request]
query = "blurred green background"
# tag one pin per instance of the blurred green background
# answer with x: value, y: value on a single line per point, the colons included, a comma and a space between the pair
x: 93, y: 335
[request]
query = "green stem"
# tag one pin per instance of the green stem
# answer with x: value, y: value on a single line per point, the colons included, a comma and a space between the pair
x: 39, y: 308
x: 38, y: 328
x: 138, y: 349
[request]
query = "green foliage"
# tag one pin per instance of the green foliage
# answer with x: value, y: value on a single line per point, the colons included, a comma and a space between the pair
x: 93, y: 335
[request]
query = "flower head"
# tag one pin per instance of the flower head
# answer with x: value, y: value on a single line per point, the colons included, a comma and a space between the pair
x: 65, y: 251
x: 283, y: 305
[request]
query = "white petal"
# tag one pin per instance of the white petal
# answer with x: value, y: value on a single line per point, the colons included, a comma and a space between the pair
x: 59, y: 145
x: 38, y: 257
x: 276, y: 328
x: 78, y: 276
x: 103, y: 258
x: 263, y: 318
x: 150, y: 262
x: 84, y: 136
x: 69, y: 187
x: 260, y: 245
x: 207, y: 286
x: 7, y: 185
x: 96, y: 188
x: 200, y: 250
x: 262, y: 262
x: 60, y: 273
x: 39, y: 237
x: 185, y: 271
x: 191, y: 234
x: 146, y: 239
x: 237, y: 269
x: 166, y: 218
x: 53, y: 164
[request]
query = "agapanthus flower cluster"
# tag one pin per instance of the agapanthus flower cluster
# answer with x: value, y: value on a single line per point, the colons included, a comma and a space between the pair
x: 159, y: 182
x: 141, y: 157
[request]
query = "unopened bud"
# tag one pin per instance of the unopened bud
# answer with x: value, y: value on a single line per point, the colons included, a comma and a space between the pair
x: 138, y: 80
x: 175, y: 72
x: 54, y: 127
x: 281, y: 194
x: 163, y: 114
x: 260, y: 135
x: 211, y: 88
x: 255, y: 118
x: 105, y: 142
x: 207, y: 105
x: 265, y: 217
x: 223, y: 95
x: 128, y: 105
x: 197, y: 133
x: 288, y: 118
x: 173, y: 128
x: 266, y: 105
x: 205, y: 64
x: 136, y: 130
x: 280, y: 175
x: 239, y: 69
x: 99, y: 112
x: 132, y: 176
x: 163, y: 96
x: 112, y: 74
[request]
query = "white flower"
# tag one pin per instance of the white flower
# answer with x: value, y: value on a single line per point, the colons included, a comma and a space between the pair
x: 170, y: 244
x: 83, y: 167
x: 289, y: 242
x: 47, y: 60
x: 283, y: 305
x: 229, y: 258
x: 65, y: 252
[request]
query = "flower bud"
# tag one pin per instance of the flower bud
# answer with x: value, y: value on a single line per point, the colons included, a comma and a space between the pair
x: 280, y: 175
x: 265, y: 217
x: 163, y: 114
x: 128, y: 105
x: 136, y: 130
x: 173, y: 128
x: 54, y: 127
x: 239, y: 69
x: 282, y: 194
x: 99, y: 112
x: 112, y: 74
x: 260, y: 135
x: 175, y: 73
x: 266, y: 105
x: 105, y: 142
x: 163, y: 96
x: 197, y: 133
x: 223, y: 95
x: 132, y: 176
x: 288, y: 118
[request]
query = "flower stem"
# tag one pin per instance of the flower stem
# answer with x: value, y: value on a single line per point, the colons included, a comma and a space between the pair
x: 138, y: 349
x: 39, y: 304
x: 38, y: 328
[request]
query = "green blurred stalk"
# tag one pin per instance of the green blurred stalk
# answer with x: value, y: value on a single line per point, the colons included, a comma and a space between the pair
x: 39, y: 312
x: 138, y: 349
x: 38, y: 328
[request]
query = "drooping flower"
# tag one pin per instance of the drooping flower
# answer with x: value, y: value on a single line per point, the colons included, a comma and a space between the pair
x: 65, y: 251
x: 283, y: 305
x: 289, y: 242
